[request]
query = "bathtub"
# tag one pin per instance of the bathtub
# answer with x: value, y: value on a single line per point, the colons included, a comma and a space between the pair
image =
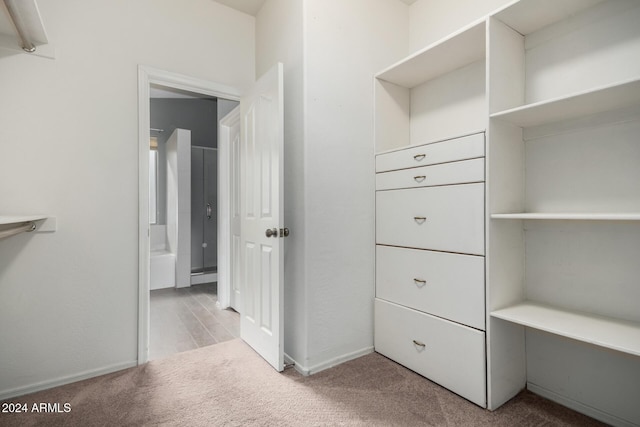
x: 162, y: 262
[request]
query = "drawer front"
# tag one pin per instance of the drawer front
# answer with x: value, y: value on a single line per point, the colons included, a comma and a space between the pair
x: 448, y: 218
x: 443, y: 284
x: 467, y: 147
x: 452, y: 356
x: 446, y: 173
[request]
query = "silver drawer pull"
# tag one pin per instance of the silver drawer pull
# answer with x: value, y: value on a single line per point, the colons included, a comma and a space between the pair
x: 419, y: 344
x: 419, y: 157
x: 420, y: 219
x: 420, y: 282
x: 419, y: 178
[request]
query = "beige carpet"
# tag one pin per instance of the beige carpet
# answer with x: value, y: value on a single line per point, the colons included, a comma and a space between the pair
x: 229, y: 385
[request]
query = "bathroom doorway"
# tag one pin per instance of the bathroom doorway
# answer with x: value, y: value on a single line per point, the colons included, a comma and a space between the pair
x: 181, y: 107
x: 185, y: 312
x: 261, y: 116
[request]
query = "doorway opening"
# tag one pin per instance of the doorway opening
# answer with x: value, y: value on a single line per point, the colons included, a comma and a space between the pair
x: 260, y: 217
x: 184, y: 289
x: 184, y: 309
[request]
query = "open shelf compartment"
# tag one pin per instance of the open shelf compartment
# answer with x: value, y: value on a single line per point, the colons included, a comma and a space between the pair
x: 633, y: 216
x: 598, y: 100
x: 615, y: 334
x: 455, y: 51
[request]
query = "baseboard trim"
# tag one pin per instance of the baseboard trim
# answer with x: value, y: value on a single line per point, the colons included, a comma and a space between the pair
x: 579, y: 407
x: 306, y: 370
x: 32, y: 388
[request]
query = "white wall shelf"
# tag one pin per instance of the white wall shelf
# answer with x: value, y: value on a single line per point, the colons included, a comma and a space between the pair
x: 563, y: 88
x: 571, y: 216
x: 455, y: 51
x: 12, y: 225
x: 597, y: 100
x: 606, y: 332
x: 18, y: 219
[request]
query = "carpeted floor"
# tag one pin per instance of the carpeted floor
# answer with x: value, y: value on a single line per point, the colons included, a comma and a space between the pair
x: 228, y: 384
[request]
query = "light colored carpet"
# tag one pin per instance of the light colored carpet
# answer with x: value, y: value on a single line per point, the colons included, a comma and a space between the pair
x: 228, y: 384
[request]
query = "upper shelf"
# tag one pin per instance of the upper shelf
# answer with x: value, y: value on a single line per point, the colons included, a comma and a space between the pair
x: 598, y: 100
x: 18, y: 219
x: 455, y: 51
x: 606, y: 332
x: 528, y: 16
x: 571, y: 216
x: 12, y: 225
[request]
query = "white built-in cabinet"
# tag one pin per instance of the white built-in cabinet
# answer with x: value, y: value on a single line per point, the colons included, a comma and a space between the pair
x: 525, y: 271
x: 430, y: 245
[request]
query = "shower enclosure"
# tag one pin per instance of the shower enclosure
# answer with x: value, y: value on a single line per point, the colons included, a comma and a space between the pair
x: 204, y: 218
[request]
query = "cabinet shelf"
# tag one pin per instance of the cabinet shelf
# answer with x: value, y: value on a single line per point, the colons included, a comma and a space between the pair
x: 455, y: 51
x: 597, y: 100
x: 571, y: 216
x: 615, y: 334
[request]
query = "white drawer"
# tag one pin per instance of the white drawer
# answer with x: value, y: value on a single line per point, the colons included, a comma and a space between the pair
x: 453, y: 218
x: 467, y: 147
x: 443, y: 284
x: 446, y: 173
x: 452, y: 356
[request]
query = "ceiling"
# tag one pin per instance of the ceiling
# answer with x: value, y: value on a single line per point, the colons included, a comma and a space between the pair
x: 252, y: 7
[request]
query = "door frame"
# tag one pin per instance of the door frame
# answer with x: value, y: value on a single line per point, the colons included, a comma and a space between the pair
x: 225, y: 212
x: 146, y: 77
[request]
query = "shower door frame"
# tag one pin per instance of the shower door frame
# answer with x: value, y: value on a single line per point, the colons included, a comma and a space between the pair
x: 146, y: 77
x: 195, y: 275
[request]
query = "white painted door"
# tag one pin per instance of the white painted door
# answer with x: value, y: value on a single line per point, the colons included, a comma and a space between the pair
x: 261, y: 189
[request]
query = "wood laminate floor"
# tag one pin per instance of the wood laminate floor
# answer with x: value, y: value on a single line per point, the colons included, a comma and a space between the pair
x: 187, y: 318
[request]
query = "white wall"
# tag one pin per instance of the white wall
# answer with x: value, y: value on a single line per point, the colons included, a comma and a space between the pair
x: 346, y: 43
x: 69, y: 299
x: 433, y: 19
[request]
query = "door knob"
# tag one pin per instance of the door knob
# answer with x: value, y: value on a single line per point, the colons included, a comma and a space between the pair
x: 271, y: 232
x: 208, y: 211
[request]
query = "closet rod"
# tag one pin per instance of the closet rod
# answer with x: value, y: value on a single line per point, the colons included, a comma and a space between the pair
x: 16, y: 18
x: 25, y: 226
